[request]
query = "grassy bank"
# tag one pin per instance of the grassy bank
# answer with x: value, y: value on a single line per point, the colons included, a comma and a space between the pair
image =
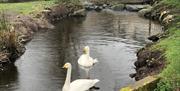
x: 26, y: 7
x: 171, y: 46
x: 171, y: 74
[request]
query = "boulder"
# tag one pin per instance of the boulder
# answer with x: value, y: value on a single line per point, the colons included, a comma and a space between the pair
x: 98, y: 8
x: 154, y: 38
x: 168, y: 19
x: 89, y: 7
x: 136, y: 7
x: 118, y: 7
x: 145, y: 11
x: 4, y: 58
x: 79, y: 13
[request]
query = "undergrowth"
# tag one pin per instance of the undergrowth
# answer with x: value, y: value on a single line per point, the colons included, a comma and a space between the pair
x: 8, y: 38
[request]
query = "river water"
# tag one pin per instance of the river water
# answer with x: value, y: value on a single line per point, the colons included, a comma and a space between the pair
x: 113, y: 37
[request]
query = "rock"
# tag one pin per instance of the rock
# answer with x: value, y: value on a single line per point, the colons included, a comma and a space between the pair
x: 162, y: 14
x: 149, y: 83
x: 168, y: 19
x: 46, y: 11
x: 153, y: 38
x: 98, y: 8
x: 140, y: 63
x: 79, y: 13
x: 118, y: 7
x: 4, y: 58
x: 132, y: 75
x: 89, y: 8
x: 23, y: 39
x: 87, y: 3
x: 136, y: 7
x: 145, y: 12
x: 105, y: 5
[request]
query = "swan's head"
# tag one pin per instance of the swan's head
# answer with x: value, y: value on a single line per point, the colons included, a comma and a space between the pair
x: 67, y: 65
x: 86, y: 50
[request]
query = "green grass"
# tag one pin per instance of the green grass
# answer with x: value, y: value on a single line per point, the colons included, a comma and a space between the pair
x: 175, y: 3
x: 171, y: 74
x: 26, y: 7
x: 172, y: 53
x: 171, y: 45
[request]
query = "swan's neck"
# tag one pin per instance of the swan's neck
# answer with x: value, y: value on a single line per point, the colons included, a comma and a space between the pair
x: 68, y: 78
x: 87, y: 53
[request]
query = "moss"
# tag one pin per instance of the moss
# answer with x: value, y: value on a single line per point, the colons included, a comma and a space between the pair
x: 126, y: 89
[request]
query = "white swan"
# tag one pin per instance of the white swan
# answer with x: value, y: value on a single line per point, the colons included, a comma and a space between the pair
x: 85, y: 61
x: 77, y: 85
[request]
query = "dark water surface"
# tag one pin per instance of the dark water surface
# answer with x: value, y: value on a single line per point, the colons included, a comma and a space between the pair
x: 113, y: 38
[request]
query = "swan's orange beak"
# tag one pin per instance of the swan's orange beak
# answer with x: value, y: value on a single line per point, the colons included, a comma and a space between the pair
x: 65, y: 66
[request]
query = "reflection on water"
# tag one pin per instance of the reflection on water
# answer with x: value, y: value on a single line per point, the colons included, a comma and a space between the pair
x: 8, y: 78
x: 113, y: 38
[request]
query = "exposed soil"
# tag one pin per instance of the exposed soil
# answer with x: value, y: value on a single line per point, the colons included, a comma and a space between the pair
x: 149, y: 62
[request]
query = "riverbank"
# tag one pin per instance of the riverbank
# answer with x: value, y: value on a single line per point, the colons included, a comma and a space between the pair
x: 21, y: 20
x: 162, y: 56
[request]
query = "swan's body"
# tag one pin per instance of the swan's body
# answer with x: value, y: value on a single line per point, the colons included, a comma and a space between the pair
x: 85, y: 61
x: 77, y: 85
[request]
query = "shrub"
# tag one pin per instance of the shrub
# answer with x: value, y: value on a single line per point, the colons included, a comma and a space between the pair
x: 8, y: 38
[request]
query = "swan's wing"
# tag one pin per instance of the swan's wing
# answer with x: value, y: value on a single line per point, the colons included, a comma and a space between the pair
x: 82, y: 84
x: 95, y: 60
x: 81, y: 59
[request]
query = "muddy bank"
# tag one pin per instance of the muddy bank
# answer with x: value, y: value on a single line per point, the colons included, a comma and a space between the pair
x: 61, y: 11
x: 22, y: 28
x: 149, y: 62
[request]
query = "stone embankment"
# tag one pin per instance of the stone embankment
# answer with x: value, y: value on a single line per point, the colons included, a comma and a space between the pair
x: 146, y: 84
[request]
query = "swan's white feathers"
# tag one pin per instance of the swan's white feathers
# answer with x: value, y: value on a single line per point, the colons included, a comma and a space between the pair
x: 82, y: 84
x: 95, y: 61
x: 79, y: 84
x: 86, y: 61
